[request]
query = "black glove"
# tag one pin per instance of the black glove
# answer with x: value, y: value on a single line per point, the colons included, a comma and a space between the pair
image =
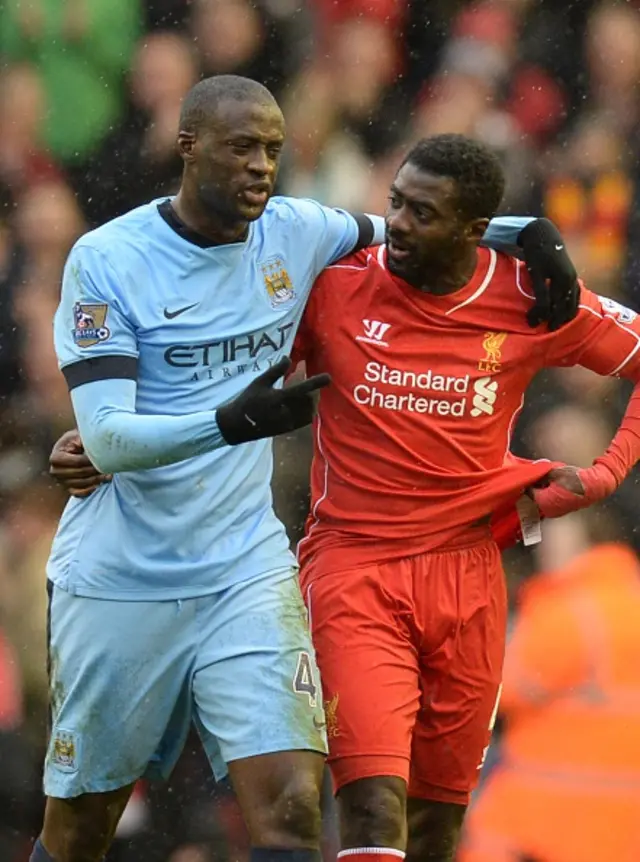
x: 262, y: 411
x: 553, y: 275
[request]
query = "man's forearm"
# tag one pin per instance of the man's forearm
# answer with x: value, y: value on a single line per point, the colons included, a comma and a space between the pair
x: 117, y: 439
x: 624, y: 452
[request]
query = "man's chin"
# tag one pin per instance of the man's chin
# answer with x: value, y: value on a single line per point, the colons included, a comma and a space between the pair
x: 397, y: 267
x: 233, y: 211
x: 251, y: 212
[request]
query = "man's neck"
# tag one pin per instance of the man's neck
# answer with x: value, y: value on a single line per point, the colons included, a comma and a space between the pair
x: 441, y: 283
x: 197, y: 219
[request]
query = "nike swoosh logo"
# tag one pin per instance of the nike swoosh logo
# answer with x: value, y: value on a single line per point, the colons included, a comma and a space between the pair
x: 171, y: 314
x: 559, y: 247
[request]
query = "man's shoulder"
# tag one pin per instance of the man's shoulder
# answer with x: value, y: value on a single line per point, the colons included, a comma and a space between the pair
x: 354, y: 266
x: 120, y: 237
x: 124, y: 230
x: 288, y: 208
x: 303, y: 213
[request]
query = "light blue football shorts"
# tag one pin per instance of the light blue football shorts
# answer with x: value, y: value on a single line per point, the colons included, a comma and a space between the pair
x: 127, y: 678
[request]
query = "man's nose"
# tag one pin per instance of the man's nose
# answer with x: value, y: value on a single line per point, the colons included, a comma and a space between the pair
x: 259, y: 162
x: 398, y: 221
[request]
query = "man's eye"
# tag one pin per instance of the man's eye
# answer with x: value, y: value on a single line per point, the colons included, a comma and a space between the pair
x: 240, y: 147
x: 395, y: 202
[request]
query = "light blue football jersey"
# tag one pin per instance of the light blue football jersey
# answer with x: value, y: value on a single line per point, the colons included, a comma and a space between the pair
x: 155, y: 329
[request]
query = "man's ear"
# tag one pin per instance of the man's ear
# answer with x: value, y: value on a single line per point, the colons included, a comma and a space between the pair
x: 186, y: 145
x: 476, y: 228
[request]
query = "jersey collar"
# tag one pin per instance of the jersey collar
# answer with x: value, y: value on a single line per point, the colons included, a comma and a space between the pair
x: 170, y: 216
x: 450, y: 302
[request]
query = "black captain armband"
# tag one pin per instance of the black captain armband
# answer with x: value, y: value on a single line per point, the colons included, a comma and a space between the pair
x: 366, y: 231
x: 100, y: 368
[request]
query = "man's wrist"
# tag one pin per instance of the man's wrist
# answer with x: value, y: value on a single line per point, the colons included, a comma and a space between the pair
x: 601, y: 479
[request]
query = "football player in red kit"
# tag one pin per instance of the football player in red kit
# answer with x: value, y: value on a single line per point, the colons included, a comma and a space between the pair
x: 427, y: 343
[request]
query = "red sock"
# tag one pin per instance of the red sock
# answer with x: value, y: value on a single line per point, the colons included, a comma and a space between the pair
x: 371, y: 854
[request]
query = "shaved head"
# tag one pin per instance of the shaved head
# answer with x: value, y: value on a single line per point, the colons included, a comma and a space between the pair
x: 202, y: 103
x: 230, y: 141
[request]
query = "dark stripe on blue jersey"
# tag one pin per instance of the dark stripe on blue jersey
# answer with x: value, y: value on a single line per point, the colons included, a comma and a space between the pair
x: 100, y: 368
x: 365, y: 230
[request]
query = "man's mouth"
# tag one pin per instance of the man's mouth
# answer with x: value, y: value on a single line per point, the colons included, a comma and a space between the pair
x: 397, y: 250
x: 257, y: 194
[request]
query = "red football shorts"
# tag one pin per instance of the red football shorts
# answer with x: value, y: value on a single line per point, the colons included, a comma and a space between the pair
x: 410, y: 654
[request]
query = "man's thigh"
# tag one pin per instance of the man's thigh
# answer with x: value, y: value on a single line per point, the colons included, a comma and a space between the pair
x: 256, y: 685
x: 119, y: 690
x: 461, y: 676
x: 361, y: 629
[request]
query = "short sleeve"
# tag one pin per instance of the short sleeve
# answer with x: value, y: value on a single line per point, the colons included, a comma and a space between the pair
x: 330, y: 233
x: 93, y: 338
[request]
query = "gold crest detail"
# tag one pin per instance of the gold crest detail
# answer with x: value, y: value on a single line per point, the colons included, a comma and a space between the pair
x: 492, y: 345
x: 277, y: 282
x: 63, y: 751
x: 331, y: 715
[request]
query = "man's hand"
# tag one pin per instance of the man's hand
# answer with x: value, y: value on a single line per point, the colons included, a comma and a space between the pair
x: 553, y: 275
x: 69, y: 465
x: 261, y: 411
x: 569, y: 489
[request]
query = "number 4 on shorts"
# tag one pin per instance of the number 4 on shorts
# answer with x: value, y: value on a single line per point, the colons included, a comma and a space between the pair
x: 303, y: 681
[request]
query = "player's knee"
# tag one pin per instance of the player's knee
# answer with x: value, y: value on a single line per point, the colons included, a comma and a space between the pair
x: 373, y: 813
x: 294, y: 816
x: 434, y: 831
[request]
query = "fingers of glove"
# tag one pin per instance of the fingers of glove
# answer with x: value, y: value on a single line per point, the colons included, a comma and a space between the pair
x: 284, y: 421
x: 273, y: 374
x: 564, y: 306
x: 295, y: 413
x: 306, y: 387
x: 541, y: 310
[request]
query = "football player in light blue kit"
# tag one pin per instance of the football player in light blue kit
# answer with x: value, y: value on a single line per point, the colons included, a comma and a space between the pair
x: 173, y: 592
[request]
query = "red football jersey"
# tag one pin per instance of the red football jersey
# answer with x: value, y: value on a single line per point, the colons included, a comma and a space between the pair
x: 412, y: 437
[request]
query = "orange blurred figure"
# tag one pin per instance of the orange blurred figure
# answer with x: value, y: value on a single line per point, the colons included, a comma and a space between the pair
x: 568, y: 786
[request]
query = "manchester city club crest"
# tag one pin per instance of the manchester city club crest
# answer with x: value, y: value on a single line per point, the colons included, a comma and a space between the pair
x: 89, y: 323
x: 64, y: 750
x: 277, y: 282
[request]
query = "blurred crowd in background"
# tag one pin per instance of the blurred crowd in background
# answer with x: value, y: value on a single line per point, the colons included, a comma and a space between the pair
x: 90, y: 94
